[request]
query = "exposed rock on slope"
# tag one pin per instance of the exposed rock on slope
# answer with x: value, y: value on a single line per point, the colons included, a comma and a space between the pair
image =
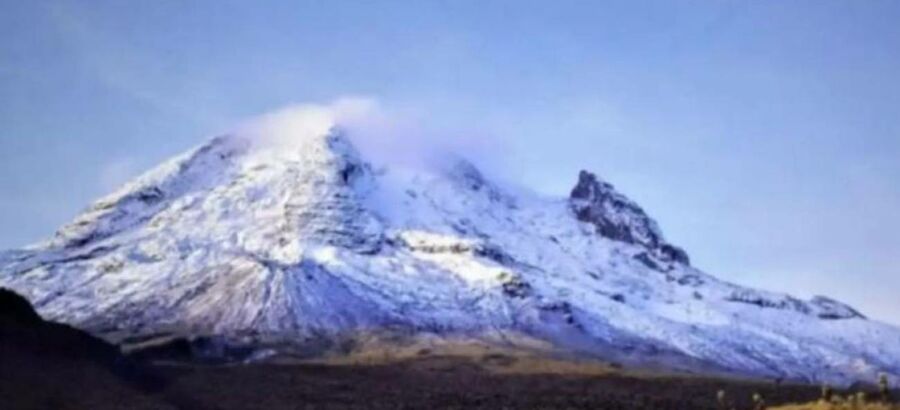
x: 618, y: 218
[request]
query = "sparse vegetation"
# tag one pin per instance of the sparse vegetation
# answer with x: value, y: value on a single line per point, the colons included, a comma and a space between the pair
x: 884, y: 388
x: 852, y: 401
x: 758, y: 402
x: 844, y: 405
x: 827, y: 393
x: 722, y: 402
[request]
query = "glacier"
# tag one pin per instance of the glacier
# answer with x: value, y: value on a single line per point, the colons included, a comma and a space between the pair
x: 306, y: 248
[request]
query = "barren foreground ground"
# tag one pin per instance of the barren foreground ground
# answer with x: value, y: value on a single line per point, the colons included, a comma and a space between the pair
x: 429, y: 382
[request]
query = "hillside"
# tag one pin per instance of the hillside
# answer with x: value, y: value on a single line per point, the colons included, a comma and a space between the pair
x: 296, y: 245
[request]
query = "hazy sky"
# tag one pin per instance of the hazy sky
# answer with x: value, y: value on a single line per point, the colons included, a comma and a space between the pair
x: 764, y: 136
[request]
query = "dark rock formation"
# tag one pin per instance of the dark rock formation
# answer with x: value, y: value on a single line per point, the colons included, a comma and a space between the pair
x: 616, y: 217
x: 16, y: 311
x: 51, y: 365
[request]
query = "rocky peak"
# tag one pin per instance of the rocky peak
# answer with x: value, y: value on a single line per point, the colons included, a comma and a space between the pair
x: 466, y: 173
x: 614, y: 216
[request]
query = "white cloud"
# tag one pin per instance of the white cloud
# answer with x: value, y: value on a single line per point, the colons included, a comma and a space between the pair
x: 117, y: 172
x: 383, y: 134
x: 295, y: 123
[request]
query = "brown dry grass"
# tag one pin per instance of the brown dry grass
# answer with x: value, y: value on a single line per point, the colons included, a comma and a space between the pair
x: 851, y: 405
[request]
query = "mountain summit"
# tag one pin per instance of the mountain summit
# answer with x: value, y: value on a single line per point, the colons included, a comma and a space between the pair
x: 304, y: 248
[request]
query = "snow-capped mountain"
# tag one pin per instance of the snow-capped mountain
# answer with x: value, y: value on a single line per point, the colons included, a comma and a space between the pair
x: 303, y: 246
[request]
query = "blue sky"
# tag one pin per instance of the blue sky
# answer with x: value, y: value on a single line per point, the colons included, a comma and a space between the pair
x: 764, y: 136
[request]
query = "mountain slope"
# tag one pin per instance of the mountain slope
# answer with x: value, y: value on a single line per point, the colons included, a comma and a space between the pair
x: 47, y: 365
x: 301, y: 246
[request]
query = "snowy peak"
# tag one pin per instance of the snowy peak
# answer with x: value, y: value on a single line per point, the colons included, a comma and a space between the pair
x: 285, y: 239
x: 618, y: 218
x: 154, y: 191
x: 259, y: 194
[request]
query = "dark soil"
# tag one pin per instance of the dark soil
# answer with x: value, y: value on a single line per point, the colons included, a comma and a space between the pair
x: 426, y: 383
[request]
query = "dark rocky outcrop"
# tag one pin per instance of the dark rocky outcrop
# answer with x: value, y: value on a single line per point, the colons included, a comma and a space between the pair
x: 15, y: 311
x: 819, y: 306
x: 50, y: 365
x: 828, y: 308
x: 616, y: 217
x: 22, y: 329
